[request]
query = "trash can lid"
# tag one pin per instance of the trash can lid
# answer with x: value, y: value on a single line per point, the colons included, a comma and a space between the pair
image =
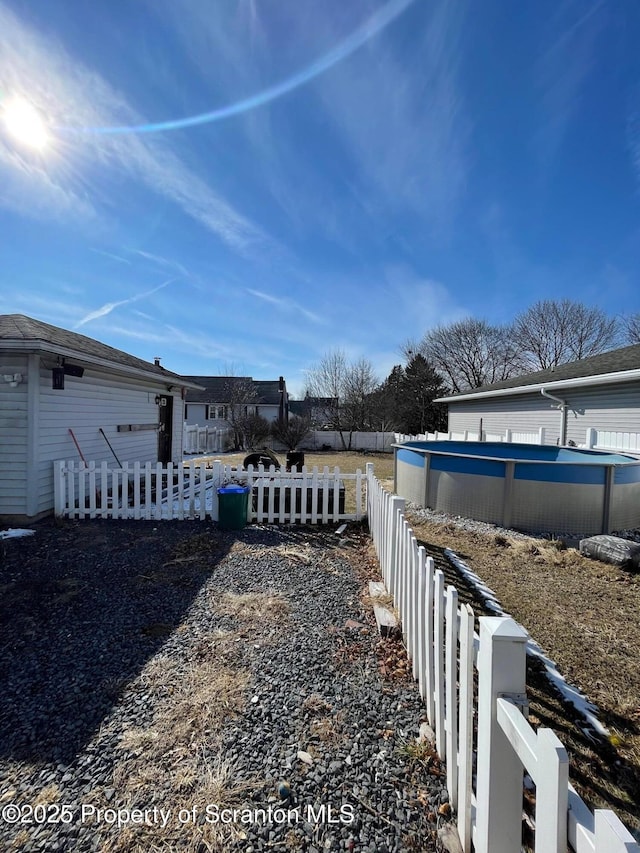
x: 232, y: 489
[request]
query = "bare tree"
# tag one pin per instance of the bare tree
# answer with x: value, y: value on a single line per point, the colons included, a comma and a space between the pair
x: 241, y: 394
x: 631, y: 328
x: 470, y: 353
x: 254, y: 430
x: 553, y: 332
x: 344, y: 391
x: 291, y: 432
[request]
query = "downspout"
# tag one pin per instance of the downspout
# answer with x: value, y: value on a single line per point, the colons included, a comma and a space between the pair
x: 563, y: 414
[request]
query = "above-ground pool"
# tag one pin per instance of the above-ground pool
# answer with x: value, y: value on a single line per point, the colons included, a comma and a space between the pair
x: 538, y: 488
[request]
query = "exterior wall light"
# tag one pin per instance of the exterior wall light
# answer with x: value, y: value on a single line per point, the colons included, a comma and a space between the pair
x: 13, y: 379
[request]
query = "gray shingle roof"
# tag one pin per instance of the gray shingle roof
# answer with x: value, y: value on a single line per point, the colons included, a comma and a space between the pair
x: 614, y: 361
x: 18, y: 327
x: 604, y: 364
x: 219, y: 389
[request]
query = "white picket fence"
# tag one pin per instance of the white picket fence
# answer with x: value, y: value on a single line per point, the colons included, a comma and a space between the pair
x: 509, y: 435
x: 206, y: 439
x: 445, y: 650
x: 190, y: 491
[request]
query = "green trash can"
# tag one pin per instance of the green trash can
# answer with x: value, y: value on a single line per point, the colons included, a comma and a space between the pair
x: 233, y: 504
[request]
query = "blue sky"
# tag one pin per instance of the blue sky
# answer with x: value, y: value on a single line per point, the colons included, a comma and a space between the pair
x: 466, y: 158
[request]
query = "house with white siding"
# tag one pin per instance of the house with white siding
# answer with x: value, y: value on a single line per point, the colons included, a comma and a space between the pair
x: 600, y: 394
x: 211, y: 405
x: 63, y: 394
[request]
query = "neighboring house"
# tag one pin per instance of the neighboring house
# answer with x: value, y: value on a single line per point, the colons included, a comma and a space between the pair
x: 317, y: 409
x: 212, y: 405
x: 53, y: 381
x: 601, y: 392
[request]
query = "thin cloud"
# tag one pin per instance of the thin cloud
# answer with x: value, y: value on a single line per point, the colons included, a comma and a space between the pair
x: 108, y: 307
x: 403, y: 123
x: 163, y: 262
x: 286, y: 305
x: 563, y: 69
x: 109, y: 255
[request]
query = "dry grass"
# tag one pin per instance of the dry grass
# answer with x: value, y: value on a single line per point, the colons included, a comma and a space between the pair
x: 315, y: 705
x: 329, y: 730
x: 48, y: 795
x: 584, y: 615
x: 177, y: 754
x: 254, y: 605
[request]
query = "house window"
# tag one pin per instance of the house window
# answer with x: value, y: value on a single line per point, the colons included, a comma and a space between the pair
x: 216, y: 413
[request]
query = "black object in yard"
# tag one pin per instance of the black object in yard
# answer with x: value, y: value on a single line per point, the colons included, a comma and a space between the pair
x: 261, y: 457
x: 295, y: 458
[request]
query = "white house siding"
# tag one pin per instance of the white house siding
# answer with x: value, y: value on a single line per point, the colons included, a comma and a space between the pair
x: 605, y: 407
x: 99, y: 399
x: 13, y: 436
x: 196, y: 414
x: 520, y: 413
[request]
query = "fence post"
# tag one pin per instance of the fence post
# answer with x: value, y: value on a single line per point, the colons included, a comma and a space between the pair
x: 395, y: 523
x: 590, y: 437
x: 451, y: 693
x: 552, y: 792
x: 508, y: 435
x: 371, y: 512
x: 501, y: 672
x: 58, y: 488
x: 465, y: 734
x: 542, y: 435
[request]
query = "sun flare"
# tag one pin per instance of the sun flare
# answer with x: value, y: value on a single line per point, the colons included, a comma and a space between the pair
x: 23, y: 121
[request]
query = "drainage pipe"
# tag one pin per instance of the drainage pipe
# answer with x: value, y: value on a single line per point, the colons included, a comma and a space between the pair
x: 563, y: 414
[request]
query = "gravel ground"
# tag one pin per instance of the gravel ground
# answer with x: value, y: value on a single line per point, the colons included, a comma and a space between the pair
x: 174, y: 667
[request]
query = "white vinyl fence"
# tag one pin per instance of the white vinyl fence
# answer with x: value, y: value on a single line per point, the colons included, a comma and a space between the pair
x: 445, y: 651
x: 190, y: 491
x: 595, y: 439
x: 206, y: 439
x: 626, y: 442
x: 509, y: 435
x: 320, y: 439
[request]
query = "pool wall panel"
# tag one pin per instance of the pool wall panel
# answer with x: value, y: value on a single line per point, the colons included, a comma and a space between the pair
x: 410, y: 483
x: 625, y: 507
x: 469, y: 495
x: 565, y: 508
